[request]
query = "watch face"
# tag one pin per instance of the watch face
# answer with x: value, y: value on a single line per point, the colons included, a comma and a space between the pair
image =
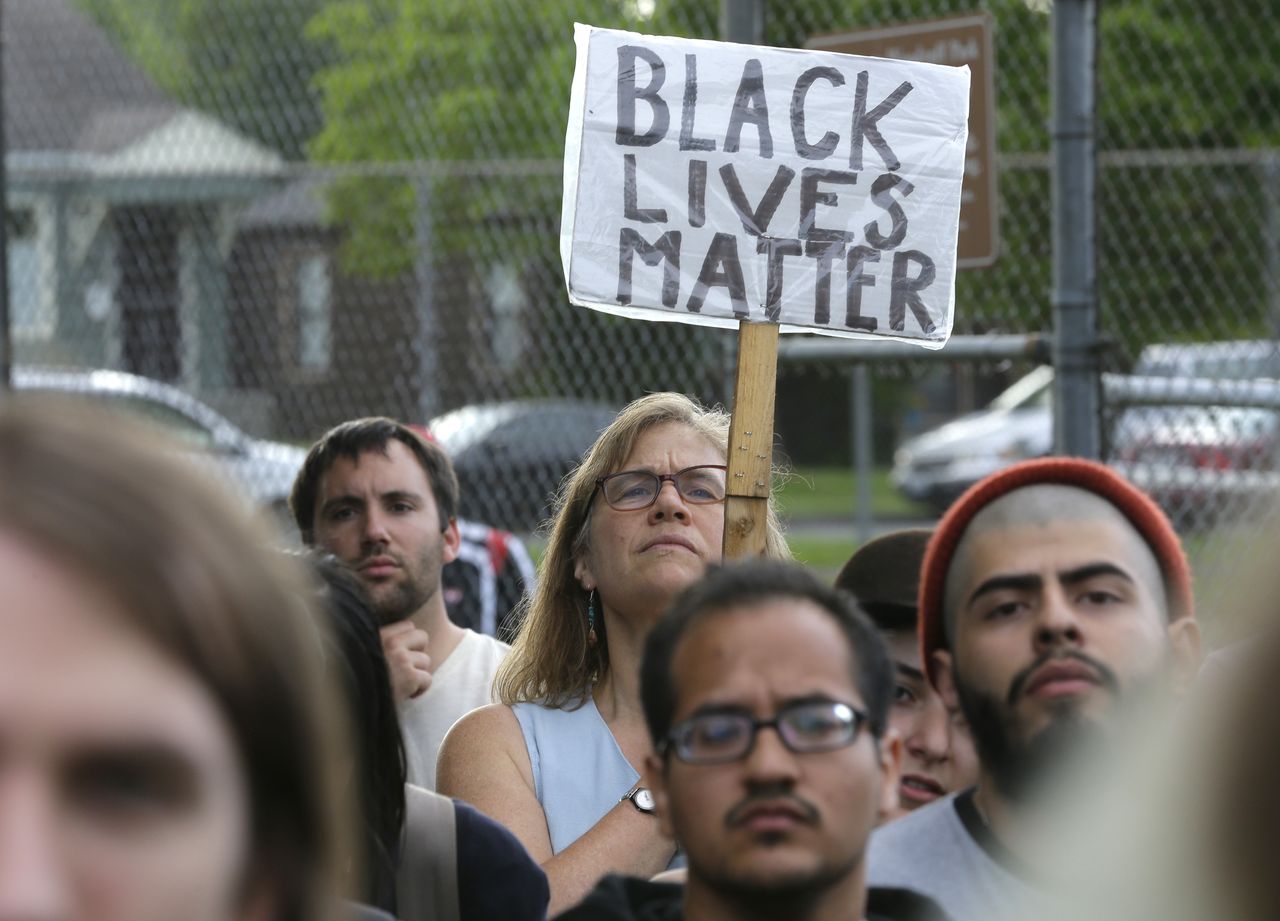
x: 643, y: 800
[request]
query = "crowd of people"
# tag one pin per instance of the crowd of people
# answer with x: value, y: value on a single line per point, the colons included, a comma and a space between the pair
x: 196, y: 725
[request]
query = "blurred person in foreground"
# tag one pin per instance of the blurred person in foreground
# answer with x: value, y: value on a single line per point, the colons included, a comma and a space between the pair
x: 1191, y: 811
x: 428, y: 858
x: 166, y: 746
x: 1055, y: 605
x: 766, y: 695
x: 384, y: 501
x: 883, y: 576
x: 559, y: 760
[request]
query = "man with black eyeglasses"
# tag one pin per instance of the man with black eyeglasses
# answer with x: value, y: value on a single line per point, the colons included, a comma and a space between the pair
x: 765, y: 695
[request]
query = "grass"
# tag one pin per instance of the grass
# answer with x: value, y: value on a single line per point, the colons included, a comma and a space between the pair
x: 824, y: 555
x: 828, y: 492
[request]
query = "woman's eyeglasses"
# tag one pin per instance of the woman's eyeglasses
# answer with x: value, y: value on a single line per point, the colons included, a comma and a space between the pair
x: 632, y: 490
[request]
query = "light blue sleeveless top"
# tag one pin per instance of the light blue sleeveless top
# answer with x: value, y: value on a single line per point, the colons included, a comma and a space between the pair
x: 579, y: 772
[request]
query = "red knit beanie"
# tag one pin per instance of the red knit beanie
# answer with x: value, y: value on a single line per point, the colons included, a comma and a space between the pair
x: 1150, y: 522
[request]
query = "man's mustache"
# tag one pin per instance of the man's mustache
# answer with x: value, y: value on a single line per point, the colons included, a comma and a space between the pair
x: 770, y: 796
x: 1106, y: 676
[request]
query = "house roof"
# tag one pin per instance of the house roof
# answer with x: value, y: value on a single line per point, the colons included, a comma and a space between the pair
x: 299, y: 203
x: 73, y: 99
x: 67, y: 87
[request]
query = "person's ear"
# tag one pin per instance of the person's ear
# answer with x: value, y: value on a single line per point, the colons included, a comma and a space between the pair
x: 582, y: 572
x: 944, y: 681
x: 890, y: 774
x: 452, y: 542
x: 655, y: 779
x: 1187, y: 650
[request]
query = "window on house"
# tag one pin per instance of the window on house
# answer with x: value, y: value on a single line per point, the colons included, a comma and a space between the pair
x: 27, y: 318
x: 315, y: 309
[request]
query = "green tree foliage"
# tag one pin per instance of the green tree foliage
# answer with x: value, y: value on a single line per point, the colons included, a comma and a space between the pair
x: 247, y: 62
x: 445, y: 81
x: 478, y: 82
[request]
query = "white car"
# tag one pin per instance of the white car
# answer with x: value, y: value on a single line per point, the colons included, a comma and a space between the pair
x: 936, y: 466
x: 262, y: 471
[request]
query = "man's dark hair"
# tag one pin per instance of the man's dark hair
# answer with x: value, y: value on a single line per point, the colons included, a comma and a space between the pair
x: 747, y: 584
x: 360, y: 436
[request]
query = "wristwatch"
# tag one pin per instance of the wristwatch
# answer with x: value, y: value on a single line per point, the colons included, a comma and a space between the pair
x: 641, y: 798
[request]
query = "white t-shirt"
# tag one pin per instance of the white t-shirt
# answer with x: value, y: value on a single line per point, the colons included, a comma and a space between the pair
x: 462, y: 683
x: 945, y: 852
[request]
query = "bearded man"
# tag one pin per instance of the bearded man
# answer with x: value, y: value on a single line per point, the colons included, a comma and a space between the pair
x: 1055, y: 599
x: 384, y: 501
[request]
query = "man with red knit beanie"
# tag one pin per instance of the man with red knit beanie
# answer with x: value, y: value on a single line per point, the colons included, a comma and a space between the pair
x: 1054, y: 598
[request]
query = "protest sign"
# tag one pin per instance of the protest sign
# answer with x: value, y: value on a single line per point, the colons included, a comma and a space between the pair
x: 715, y: 183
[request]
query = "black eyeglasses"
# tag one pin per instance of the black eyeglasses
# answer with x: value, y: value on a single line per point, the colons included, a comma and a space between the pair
x: 632, y: 490
x: 805, y: 728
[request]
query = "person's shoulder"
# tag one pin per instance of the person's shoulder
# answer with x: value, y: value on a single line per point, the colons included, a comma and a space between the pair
x: 482, y: 646
x: 496, y: 876
x: 491, y: 720
x: 628, y: 898
x: 473, y: 532
x: 475, y: 738
x: 494, y: 645
x: 919, y: 822
x: 926, y: 835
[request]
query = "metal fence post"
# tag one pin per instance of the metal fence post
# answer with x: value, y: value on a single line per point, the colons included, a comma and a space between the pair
x: 1271, y: 195
x: 860, y: 403
x: 6, y: 342
x: 1077, y: 393
x: 424, y: 277
x: 742, y: 21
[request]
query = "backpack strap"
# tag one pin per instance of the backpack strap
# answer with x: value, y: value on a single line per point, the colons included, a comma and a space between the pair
x: 427, y: 878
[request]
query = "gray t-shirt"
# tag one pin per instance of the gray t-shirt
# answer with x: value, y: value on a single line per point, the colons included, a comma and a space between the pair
x: 945, y: 852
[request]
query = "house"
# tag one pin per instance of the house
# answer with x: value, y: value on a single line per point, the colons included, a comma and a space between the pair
x: 122, y: 206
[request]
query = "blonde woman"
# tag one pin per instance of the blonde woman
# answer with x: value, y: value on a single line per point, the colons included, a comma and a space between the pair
x: 558, y: 761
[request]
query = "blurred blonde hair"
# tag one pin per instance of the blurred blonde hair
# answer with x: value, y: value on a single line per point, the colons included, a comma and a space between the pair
x: 194, y: 575
x: 551, y: 661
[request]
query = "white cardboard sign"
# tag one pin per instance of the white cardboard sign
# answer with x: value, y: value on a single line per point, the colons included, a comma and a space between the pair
x: 708, y: 182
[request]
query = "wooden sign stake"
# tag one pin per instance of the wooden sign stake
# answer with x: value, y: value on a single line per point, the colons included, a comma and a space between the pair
x: 746, y: 504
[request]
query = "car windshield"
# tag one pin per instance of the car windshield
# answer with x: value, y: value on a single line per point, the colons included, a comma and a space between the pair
x: 1033, y: 391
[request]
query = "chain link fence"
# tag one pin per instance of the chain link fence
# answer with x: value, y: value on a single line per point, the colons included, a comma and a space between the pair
x: 300, y: 211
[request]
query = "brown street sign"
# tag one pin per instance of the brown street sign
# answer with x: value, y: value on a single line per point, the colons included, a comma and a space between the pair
x: 954, y: 41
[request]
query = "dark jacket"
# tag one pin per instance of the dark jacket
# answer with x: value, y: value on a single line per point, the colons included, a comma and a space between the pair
x: 625, y: 898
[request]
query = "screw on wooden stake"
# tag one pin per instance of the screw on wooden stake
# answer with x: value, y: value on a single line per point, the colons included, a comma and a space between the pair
x: 746, y: 506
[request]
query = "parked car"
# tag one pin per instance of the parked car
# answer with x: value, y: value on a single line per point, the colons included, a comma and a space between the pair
x: 262, y: 471
x: 511, y: 456
x: 1193, y: 459
x: 1240, y: 359
x: 936, y: 466
x: 1202, y: 462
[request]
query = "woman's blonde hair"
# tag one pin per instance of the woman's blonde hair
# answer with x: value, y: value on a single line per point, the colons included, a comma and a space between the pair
x: 551, y: 661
